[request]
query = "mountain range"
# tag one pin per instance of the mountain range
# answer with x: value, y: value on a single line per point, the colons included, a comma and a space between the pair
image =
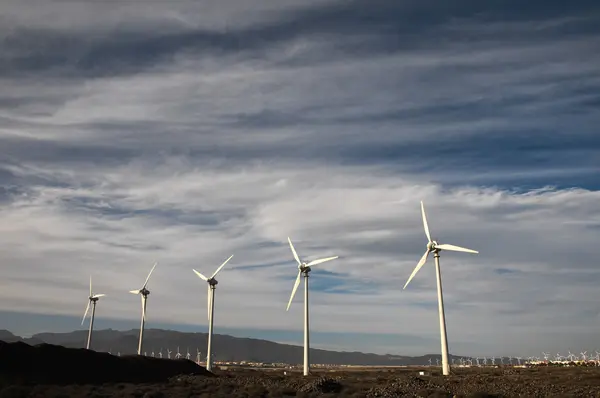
x: 225, y: 348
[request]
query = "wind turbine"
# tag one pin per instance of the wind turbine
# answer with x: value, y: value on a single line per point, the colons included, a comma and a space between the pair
x: 143, y: 292
x: 304, y: 268
x: 92, y: 299
x: 435, y: 248
x: 212, y: 285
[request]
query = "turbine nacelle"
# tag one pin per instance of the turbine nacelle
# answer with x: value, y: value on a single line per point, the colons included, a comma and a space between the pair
x: 144, y: 292
x: 304, y: 268
x: 432, y: 246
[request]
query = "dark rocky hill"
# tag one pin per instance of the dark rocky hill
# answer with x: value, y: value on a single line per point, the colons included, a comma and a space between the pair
x: 21, y: 363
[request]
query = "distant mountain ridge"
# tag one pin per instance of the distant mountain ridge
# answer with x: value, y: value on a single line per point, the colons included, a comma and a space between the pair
x: 8, y: 337
x: 225, y: 347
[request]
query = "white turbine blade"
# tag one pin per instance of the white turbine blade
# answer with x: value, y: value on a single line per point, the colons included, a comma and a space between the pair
x: 294, y: 289
x: 148, y: 277
x: 90, y: 285
x: 417, y: 268
x: 200, y: 275
x: 222, y: 265
x: 455, y: 248
x: 208, y: 300
x: 86, y: 311
x: 425, y: 225
x: 322, y: 260
x: 294, y: 251
x: 98, y: 295
x: 143, y: 309
x: 134, y: 291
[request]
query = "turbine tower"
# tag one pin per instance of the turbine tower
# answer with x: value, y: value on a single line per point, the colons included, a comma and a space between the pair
x: 212, y: 285
x: 143, y: 292
x: 435, y: 248
x: 304, y: 269
x: 92, y: 299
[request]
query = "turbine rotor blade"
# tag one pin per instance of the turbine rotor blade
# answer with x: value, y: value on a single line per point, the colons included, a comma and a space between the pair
x: 222, y: 265
x: 200, y: 275
x: 417, y: 268
x: 143, y: 309
x: 321, y: 260
x: 294, y: 289
x: 148, y: 277
x: 90, y: 285
x: 425, y: 225
x: 208, y: 302
x: 455, y: 248
x: 86, y: 311
x: 98, y: 295
x: 294, y: 252
x: 134, y: 291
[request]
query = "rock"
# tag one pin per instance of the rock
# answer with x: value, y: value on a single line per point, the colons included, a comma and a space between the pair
x: 21, y: 363
x: 323, y: 385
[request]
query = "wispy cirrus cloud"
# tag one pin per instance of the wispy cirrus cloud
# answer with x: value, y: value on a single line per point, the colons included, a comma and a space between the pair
x: 189, y: 132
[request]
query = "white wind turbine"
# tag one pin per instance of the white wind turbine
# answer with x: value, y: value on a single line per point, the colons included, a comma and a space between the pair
x: 435, y: 248
x: 143, y: 292
x: 212, y: 285
x: 92, y: 299
x: 304, y: 268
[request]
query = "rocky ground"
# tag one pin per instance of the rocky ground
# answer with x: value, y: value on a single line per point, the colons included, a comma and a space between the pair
x: 510, y: 382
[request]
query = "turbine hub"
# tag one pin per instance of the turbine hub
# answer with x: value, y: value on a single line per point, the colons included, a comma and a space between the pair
x: 144, y: 292
x: 213, y: 282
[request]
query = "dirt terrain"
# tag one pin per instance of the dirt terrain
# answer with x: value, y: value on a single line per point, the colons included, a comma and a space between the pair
x: 27, y: 371
x: 539, y: 382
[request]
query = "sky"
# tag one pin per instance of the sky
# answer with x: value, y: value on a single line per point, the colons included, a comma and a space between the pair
x: 183, y: 132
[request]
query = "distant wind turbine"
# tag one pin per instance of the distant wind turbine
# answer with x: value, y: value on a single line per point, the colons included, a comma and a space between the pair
x: 212, y: 285
x: 143, y: 292
x: 435, y: 248
x: 92, y: 299
x: 304, y: 269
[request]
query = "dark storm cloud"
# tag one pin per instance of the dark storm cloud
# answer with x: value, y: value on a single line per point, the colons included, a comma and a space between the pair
x: 358, y: 29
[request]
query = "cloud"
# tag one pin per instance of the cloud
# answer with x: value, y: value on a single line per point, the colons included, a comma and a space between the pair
x: 163, y: 134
